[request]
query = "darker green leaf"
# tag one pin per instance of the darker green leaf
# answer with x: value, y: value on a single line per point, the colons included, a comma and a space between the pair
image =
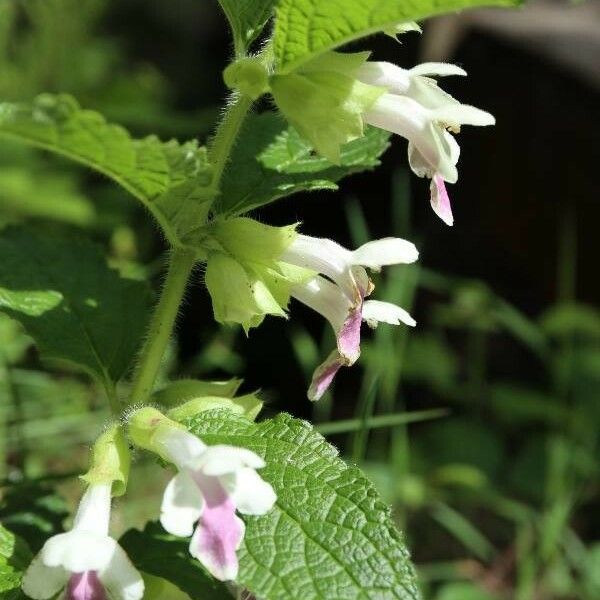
x: 76, y: 308
x: 271, y: 161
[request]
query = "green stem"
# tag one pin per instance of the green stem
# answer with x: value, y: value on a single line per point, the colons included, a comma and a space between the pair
x: 227, y: 132
x: 161, y: 326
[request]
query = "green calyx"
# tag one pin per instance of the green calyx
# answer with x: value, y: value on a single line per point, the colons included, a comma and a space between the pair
x: 249, y: 76
x: 143, y: 426
x: 248, y: 406
x: 325, y: 101
x: 111, y: 460
x: 244, y: 274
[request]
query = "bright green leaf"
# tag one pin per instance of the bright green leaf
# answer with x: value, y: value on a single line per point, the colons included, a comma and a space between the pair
x: 75, y: 307
x: 155, y: 552
x: 14, y: 559
x: 247, y: 19
x: 329, y: 535
x: 170, y: 179
x: 272, y: 161
x: 305, y: 28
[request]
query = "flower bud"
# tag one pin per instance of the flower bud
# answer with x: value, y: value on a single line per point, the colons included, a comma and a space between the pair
x: 249, y: 76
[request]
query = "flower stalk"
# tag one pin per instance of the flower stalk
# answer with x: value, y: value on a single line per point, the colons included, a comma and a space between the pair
x: 181, y: 263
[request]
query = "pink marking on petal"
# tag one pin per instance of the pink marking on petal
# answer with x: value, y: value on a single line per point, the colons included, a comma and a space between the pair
x: 324, y: 375
x: 85, y: 586
x: 219, y: 532
x: 440, y: 201
x: 348, y: 339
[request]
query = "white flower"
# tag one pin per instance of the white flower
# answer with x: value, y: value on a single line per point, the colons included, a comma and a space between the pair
x: 418, y: 110
x: 85, y: 562
x: 201, y: 500
x: 340, y: 295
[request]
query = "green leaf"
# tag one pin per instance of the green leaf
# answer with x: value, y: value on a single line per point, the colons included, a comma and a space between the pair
x: 14, y: 559
x: 34, y: 512
x: 306, y: 28
x: 271, y: 161
x: 169, y: 178
x: 247, y: 19
x: 329, y: 535
x: 72, y: 304
x: 157, y: 553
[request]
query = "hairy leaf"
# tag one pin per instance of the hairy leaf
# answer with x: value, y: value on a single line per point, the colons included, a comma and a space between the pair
x: 72, y: 304
x: 14, y: 559
x: 271, y: 161
x: 305, y: 28
x: 155, y: 552
x: 169, y: 178
x: 329, y: 535
x: 247, y: 19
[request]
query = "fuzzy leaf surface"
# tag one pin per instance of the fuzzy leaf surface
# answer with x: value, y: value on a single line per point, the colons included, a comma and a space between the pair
x: 169, y: 178
x: 306, y: 28
x: 272, y: 161
x: 329, y: 535
x: 76, y: 308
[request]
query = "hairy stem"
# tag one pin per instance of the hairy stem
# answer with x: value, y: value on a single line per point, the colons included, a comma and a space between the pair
x: 227, y: 132
x: 161, y: 326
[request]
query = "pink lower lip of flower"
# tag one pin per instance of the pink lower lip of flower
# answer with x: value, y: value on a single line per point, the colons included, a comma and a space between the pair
x: 85, y: 586
x: 324, y: 376
x: 440, y: 200
x: 220, y: 531
x: 348, y: 341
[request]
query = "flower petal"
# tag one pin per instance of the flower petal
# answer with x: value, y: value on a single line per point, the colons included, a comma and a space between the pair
x: 324, y: 374
x: 251, y: 494
x: 456, y: 114
x: 437, y: 69
x: 348, y: 337
x: 375, y: 311
x: 387, y: 251
x: 385, y: 74
x: 180, y: 446
x: 93, y: 513
x: 181, y: 506
x: 219, y: 532
x: 222, y: 459
x: 122, y: 580
x: 440, y: 200
x: 78, y: 551
x: 41, y: 581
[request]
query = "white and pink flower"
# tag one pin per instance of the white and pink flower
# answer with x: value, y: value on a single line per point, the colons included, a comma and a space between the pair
x: 85, y: 563
x: 212, y: 483
x: 415, y: 108
x: 339, y: 294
